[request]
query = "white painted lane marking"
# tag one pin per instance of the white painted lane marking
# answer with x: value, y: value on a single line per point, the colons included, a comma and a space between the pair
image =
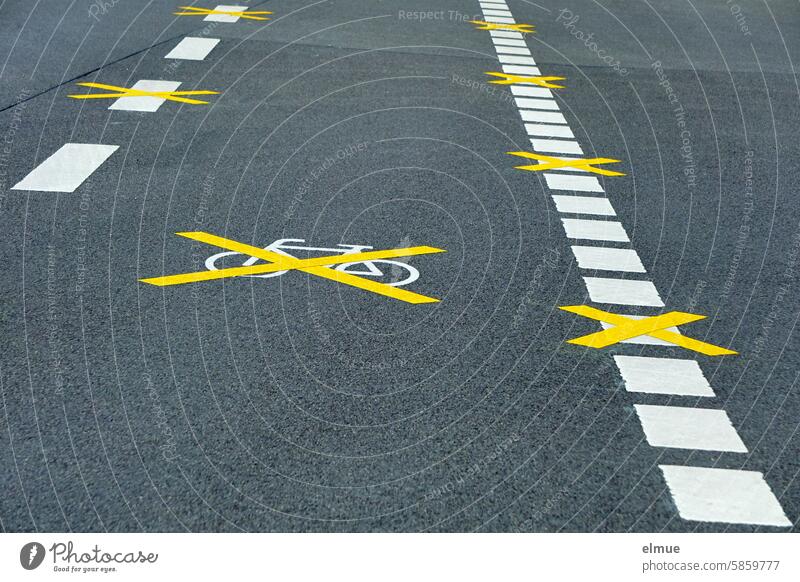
x: 540, y: 129
x: 678, y: 427
x: 505, y: 34
x: 608, y: 258
x: 498, y: 5
x: 623, y: 291
x: 584, y: 205
x: 723, y: 496
x: 644, y: 339
x: 67, y: 168
x: 498, y: 42
x: 569, y: 182
x: 225, y: 17
x: 492, y: 12
x: 521, y: 70
x: 192, y: 48
x: 527, y: 91
x: 663, y: 376
x: 558, y: 146
x: 528, y: 103
x: 542, y: 116
x: 608, y: 230
x: 499, y: 20
x: 146, y: 104
x: 513, y: 50
x: 515, y: 60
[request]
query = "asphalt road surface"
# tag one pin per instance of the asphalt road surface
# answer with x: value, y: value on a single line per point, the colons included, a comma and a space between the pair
x: 306, y: 399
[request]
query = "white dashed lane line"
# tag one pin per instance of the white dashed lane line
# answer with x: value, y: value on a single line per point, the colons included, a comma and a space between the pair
x: 679, y: 427
x: 583, y: 205
x: 225, y: 17
x: 192, y: 48
x: 540, y: 129
x: 145, y: 104
x: 556, y: 146
x: 623, y: 292
x: 587, y: 229
x: 702, y: 494
x: 669, y: 376
x: 607, y: 258
x: 567, y: 182
x: 723, y: 495
x: 67, y: 168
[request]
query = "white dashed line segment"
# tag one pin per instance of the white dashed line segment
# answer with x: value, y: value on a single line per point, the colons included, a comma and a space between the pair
x: 577, y: 183
x: 584, y: 205
x: 607, y: 258
x: 678, y: 427
x: 623, y: 291
x: 145, y: 104
x: 192, y: 49
x: 67, y: 168
x: 557, y: 146
x: 540, y: 129
x: 669, y: 376
x: 723, y: 495
x: 225, y: 17
x: 607, y: 230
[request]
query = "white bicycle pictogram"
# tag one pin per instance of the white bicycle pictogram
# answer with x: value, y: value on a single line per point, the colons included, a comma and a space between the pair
x: 364, y: 268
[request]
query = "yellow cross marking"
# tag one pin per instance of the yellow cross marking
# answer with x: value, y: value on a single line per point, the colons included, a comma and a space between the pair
x: 551, y: 163
x: 523, y: 28
x: 506, y: 79
x: 317, y: 266
x: 627, y: 328
x: 194, y: 11
x: 126, y: 92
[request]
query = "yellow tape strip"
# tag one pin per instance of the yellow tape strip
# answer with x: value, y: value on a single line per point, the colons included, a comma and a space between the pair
x: 195, y: 11
x: 316, y: 266
x: 507, y: 79
x: 126, y: 92
x: 551, y: 163
x: 483, y: 25
x: 627, y: 328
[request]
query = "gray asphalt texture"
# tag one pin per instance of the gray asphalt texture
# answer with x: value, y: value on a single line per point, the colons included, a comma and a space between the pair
x: 297, y: 404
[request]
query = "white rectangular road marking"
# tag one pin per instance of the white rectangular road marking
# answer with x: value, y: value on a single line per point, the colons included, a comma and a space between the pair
x: 646, y: 340
x: 669, y: 376
x: 493, y: 12
x: 147, y: 104
x: 192, y: 48
x: 569, y: 182
x: 513, y: 50
x: 225, y: 17
x: 540, y: 129
x: 67, y: 168
x: 623, y: 291
x: 608, y: 258
x: 499, y: 41
x: 584, y: 205
x: 723, y: 496
x: 565, y: 168
x: 505, y: 34
x: 678, y: 427
x: 528, y: 103
x: 500, y: 20
x: 609, y: 230
x: 528, y: 91
x: 515, y: 60
x: 558, y: 146
x: 500, y: 5
x: 521, y: 70
x: 542, y: 116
